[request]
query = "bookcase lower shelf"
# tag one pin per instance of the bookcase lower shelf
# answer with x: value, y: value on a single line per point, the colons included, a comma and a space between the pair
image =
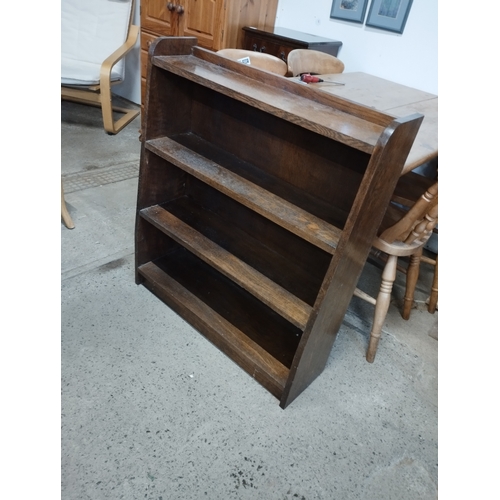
x: 177, y: 289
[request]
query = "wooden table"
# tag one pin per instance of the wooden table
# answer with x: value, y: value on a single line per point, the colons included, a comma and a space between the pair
x: 394, y: 99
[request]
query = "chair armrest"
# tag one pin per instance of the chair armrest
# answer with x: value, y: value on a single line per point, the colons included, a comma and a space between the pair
x: 118, y: 54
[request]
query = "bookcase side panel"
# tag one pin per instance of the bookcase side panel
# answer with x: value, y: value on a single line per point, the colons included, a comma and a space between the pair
x: 347, y: 263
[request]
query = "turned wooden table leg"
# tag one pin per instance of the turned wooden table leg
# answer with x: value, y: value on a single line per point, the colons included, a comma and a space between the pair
x: 382, y: 306
x: 68, y: 221
x: 434, y: 291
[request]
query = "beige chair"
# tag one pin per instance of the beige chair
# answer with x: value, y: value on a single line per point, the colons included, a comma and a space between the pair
x: 313, y: 62
x: 259, y: 60
x: 403, y: 233
x: 95, y: 37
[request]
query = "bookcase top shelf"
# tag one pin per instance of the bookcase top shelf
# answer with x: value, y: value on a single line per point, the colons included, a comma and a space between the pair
x: 345, y: 121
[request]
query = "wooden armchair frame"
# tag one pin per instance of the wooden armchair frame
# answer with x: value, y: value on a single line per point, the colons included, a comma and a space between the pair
x: 100, y: 95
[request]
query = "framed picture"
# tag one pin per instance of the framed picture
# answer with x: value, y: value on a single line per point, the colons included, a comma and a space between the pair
x: 349, y: 10
x: 389, y: 15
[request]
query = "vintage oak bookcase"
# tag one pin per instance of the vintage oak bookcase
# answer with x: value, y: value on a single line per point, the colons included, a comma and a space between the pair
x: 257, y: 204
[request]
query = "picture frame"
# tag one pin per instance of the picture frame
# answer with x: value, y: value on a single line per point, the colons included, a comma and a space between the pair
x: 389, y: 15
x: 349, y: 10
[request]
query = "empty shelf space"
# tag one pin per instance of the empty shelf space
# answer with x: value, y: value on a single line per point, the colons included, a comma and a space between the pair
x: 229, y: 339
x: 293, y: 263
x: 280, y: 300
x: 274, y: 208
x: 264, y: 327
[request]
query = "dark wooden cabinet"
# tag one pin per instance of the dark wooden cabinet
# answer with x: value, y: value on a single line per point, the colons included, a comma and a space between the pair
x: 280, y: 41
x: 258, y: 202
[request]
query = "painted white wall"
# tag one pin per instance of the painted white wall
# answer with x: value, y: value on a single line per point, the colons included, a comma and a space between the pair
x: 131, y: 87
x: 410, y: 58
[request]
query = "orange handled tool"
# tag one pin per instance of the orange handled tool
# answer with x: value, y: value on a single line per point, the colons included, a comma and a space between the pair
x: 308, y: 78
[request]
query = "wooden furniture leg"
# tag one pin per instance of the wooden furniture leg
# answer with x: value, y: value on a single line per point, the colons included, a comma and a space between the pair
x: 68, y: 221
x: 382, y: 306
x: 411, y: 283
x: 434, y: 290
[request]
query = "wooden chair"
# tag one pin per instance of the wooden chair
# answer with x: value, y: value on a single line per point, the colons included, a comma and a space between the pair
x: 402, y: 234
x: 260, y: 60
x: 407, y: 192
x: 313, y: 62
x: 95, y: 37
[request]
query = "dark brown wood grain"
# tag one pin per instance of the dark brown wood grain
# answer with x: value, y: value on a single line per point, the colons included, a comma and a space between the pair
x: 270, y: 293
x: 248, y: 354
x: 257, y: 205
x: 312, y: 114
x: 347, y: 263
x: 281, y: 212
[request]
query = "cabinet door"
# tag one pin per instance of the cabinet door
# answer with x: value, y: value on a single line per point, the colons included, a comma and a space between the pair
x: 205, y: 20
x: 157, y: 18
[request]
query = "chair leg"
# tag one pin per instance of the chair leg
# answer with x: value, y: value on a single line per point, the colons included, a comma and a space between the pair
x: 68, y: 221
x: 411, y: 282
x: 434, y: 290
x: 110, y: 125
x: 382, y: 306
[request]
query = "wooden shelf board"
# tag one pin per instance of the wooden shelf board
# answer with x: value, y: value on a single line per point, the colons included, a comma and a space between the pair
x: 277, y: 298
x: 311, y: 203
x: 274, y: 208
x: 283, y: 257
x: 313, y: 111
x: 261, y: 365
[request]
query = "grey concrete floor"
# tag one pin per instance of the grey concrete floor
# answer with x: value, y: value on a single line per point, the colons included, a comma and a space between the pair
x: 151, y: 409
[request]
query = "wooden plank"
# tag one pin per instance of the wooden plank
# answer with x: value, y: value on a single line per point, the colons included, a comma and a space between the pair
x: 283, y: 257
x: 250, y: 356
x: 312, y: 110
x: 281, y: 212
x: 346, y: 266
x: 274, y: 296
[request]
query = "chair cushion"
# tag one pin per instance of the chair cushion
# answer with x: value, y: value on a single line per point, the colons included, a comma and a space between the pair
x: 91, y: 30
x: 84, y: 73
